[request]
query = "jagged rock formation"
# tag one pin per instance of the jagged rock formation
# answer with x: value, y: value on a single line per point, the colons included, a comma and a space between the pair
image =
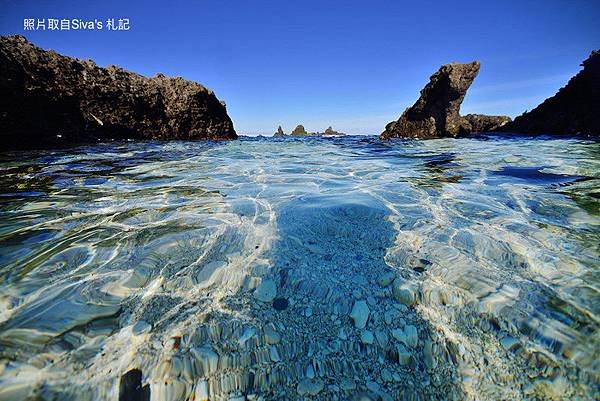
x: 300, y: 131
x: 50, y: 99
x: 279, y: 132
x: 331, y: 131
x: 575, y: 109
x: 483, y: 123
x: 437, y: 112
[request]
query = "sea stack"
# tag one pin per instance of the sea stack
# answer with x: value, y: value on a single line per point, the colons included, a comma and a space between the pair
x: 437, y: 112
x: 49, y: 99
x: 279, y: 132
x: 300, y: 131
x: 331, y: 132
x: 575, y: 109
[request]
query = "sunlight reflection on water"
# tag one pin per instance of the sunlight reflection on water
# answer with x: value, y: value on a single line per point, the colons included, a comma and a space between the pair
x: 497, y: 240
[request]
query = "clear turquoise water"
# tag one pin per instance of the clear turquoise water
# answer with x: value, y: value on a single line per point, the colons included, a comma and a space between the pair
x: 497, y: 238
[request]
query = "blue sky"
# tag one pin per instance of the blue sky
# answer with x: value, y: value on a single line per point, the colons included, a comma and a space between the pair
x: 354, y: 65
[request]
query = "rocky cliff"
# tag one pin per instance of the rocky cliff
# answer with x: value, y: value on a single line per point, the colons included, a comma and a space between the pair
x: 50, y: 99
x: 575, y: 109
x: 437, y: 112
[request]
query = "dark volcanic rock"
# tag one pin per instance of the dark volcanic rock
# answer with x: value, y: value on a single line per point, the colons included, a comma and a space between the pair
x: 437, y: 112
x: 50, y: 99
x: 279, y: 132
x: 575, y: 109
x: 483, y: 123
x: 130, y: 387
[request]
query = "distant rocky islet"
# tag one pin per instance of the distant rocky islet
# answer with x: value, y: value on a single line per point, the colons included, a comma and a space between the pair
x: 301, y: 131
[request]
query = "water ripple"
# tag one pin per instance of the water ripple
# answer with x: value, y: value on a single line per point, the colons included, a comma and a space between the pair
x: 126, y: 255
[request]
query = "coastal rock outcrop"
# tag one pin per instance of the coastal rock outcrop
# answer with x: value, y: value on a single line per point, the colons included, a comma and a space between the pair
x: 483, y: 123
x: 300, y: 131
x: 50, y: 99
x: 331, y: 132
x: 279, y: 132
x: 574, y: 109
x: 437, y: 111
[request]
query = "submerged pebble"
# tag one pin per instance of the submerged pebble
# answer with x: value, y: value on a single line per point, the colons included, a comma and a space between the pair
x: 360, y: 314
x: 141, y: 327
x: 264, y: 271
x: 266, y: 291
x: 367, y: 337
x: 310, y: 386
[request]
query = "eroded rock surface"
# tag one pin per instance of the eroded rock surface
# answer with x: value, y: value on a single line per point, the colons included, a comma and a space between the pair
x: 483, y: 123
x: 575, y: 109
x: 50, y: 99
x: 437, y: 112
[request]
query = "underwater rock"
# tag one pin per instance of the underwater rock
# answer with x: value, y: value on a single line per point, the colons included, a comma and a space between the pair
x: 49, y: 99
x: 403, y: 292
x: 381, y: 337
x: 207, y: 357
x: 360, y: 314
x: 386, y: 279
x: 310, y: 386
x: 404, y: 356
x: 130, y: 387
x: 172, y: 390
x: 574, y: 109
x: 274, y: 354
x: 202, y: 391
x: 141, y: 327
x: 436, y: 113
x: 266, y: 291
x: 347, y: 384
x: 366, y: 337
x: 271, y: 335
x: 280, y: 304
x: 409, y: 336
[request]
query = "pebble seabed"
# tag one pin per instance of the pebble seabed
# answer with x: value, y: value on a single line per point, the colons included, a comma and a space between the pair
x: 186, y: 277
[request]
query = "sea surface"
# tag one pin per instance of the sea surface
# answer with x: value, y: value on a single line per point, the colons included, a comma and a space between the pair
x: 302, y: 268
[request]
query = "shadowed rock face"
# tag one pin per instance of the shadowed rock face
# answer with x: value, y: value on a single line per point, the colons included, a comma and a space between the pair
x: 437, y: 112
x: 50, y: 99
x: 575, y: 109
x: 483, y: 123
